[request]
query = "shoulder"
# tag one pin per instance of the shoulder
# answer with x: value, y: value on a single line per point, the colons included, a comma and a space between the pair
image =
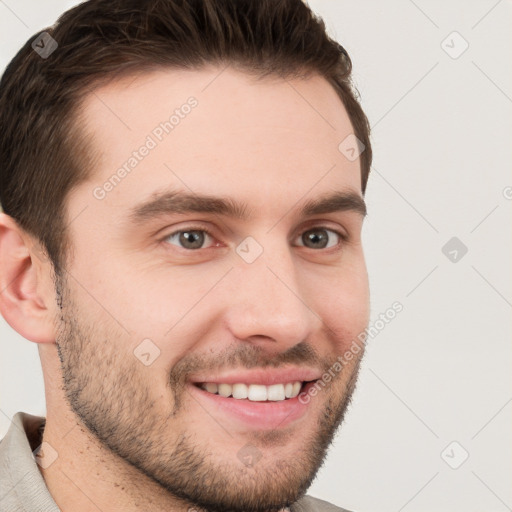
x: 310, y: 504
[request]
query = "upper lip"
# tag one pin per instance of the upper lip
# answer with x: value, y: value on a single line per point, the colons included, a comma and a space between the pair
x: 266, y: 377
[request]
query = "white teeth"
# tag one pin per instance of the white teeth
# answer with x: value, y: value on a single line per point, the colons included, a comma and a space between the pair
x: 275, y: 392
x: 240, y: 391
x: 225, y: 390
x: 255, y: 392
x: 211, y: 387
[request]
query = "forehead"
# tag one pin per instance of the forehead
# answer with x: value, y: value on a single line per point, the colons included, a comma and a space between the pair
x: 217, y: 130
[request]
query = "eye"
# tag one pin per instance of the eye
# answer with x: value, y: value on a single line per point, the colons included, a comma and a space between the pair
x: 195, y: 238
x: 319, y: 238
x: 190, y: 239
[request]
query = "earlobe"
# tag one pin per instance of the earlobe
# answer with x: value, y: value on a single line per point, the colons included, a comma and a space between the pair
x: 25, y: 292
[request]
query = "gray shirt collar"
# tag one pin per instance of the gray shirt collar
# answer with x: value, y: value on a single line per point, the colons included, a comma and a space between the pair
x: 22, y: 487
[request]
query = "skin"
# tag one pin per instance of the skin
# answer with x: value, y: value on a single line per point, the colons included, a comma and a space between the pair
x: 132, y: 437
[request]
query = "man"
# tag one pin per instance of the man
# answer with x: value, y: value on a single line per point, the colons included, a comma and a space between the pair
x: 182, y: 185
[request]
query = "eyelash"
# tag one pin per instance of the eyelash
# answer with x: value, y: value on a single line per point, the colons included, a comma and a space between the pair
x: 342, y: 236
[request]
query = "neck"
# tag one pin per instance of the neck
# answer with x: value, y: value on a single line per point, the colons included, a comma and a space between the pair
x: 87, y: 477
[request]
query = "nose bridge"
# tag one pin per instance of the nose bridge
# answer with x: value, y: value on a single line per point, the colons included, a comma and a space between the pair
x: 268, y: 301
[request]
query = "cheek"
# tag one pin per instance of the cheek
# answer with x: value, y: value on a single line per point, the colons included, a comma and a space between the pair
x: 147, y: 302
x: 343, y: 303
x: 175, y: 308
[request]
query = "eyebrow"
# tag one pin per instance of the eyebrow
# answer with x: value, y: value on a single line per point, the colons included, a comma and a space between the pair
x: 168, y: 203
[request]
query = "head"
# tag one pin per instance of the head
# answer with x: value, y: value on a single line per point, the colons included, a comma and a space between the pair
x: 180, y: 212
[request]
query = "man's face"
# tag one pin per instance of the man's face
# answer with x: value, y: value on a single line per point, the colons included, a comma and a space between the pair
x: 243, y: 275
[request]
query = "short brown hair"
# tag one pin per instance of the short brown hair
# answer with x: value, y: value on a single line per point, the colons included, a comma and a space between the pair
x: 43, y: 152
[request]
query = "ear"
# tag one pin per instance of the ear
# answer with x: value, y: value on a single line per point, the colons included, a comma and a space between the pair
x: 27, y: 292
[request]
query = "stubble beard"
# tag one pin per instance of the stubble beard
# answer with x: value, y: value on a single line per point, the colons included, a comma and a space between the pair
x: 106, y: 392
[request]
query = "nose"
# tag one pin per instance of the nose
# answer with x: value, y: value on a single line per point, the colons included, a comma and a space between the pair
x: 268, y: 306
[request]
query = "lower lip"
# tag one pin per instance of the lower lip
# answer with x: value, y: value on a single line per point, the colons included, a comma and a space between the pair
x: 257, y: 415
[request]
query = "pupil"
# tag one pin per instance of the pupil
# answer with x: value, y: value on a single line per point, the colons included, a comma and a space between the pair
x: 192, y: 239
x: 315, y: 239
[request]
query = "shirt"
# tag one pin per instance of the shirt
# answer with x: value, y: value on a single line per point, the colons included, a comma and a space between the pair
x: 23, y: 489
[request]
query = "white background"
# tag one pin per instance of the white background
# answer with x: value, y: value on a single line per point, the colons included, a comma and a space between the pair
x: 441, y: 370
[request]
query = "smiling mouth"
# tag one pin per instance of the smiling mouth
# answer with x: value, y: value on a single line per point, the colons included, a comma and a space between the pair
x: 255, y: 392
